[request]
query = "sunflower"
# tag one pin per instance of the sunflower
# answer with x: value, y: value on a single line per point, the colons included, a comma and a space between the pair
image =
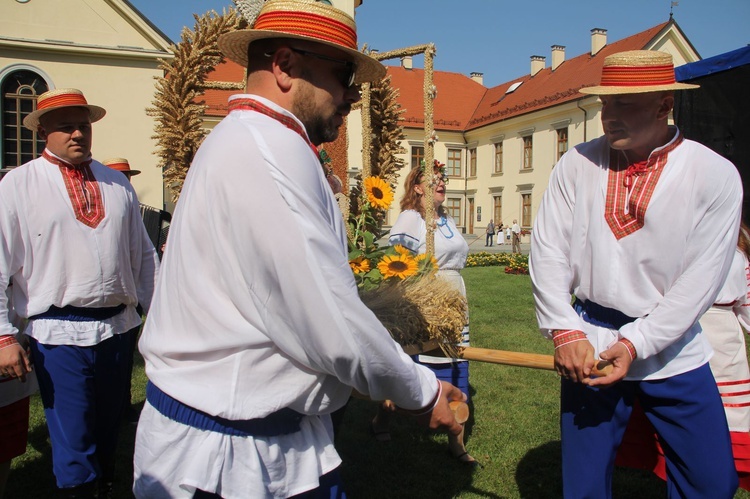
x: 379, y: 193
x: 360, y: 265
x: 402, y: 250
x: 423, y: 256
x: 401, y: 266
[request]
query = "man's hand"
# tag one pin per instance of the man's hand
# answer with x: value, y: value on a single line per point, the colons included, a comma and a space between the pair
x: 441, y: 417
x: 575, y: 360
x: 620, y: 359
x: 14, y: 362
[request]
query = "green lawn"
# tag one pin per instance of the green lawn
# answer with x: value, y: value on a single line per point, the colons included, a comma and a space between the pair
x: 513, y: 430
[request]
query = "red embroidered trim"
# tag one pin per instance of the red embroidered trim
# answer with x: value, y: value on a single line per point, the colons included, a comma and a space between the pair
x: 631, y: 348
x: 622, y: 180
x: 244, y: 104
x: 730, y: 383
x: 565, y: 336
x: 745, y: 404
x: 7, y: 341
x: 83, y: 190
x: 735, y: 394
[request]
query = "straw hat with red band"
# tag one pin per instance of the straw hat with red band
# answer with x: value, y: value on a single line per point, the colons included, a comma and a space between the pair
x: 636, y: 72
x: 58, y: 99
x: 304, y: 20
x: 121, y: 165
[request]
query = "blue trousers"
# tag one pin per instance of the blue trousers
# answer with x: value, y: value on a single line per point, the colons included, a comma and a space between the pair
x: 81, y: 389
x: 688, y: 416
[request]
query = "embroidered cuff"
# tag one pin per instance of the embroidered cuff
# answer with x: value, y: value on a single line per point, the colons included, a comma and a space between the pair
x: 429, y: 407
x: 629, y: 345
x: 564, y: 336
x: 6, y: 341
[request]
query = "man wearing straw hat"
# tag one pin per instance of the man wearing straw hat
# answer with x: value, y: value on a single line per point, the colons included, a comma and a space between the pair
x: 121, y: 165
x: 80, y: 259
x: 257, y: 332
x: 640, y: 226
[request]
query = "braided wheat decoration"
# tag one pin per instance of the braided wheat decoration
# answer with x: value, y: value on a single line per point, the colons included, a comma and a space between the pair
x: 177, y: 106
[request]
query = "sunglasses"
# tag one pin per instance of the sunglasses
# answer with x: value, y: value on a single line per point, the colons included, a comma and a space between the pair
x: 346, y: 78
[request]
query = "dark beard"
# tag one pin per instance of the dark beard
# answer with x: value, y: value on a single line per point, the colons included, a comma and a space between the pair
x: 319, y: 128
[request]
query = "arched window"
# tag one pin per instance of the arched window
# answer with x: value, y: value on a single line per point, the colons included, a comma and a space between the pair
x: 19, y: 93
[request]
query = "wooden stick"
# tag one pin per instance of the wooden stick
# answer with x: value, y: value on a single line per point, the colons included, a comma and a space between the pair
x: 508, y: 358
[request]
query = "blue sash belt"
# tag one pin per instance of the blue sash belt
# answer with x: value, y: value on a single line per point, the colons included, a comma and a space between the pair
x: 79, y: 314
x: 281, y: 422
x: 598, y: 315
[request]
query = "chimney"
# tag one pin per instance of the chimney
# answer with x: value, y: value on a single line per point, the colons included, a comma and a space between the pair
x: 537, y: 63
x: 406, y: 62
x: 598, y: 40
x: 558, y: 56
x: 478, y: 77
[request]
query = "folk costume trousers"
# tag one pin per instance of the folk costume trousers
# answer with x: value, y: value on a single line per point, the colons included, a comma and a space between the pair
x: 82, y: 393
x: 688, y: 416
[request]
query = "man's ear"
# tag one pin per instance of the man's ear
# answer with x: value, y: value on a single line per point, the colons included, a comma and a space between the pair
x: 41, y: 132
x: 281, y: 66
x: 665, y: 106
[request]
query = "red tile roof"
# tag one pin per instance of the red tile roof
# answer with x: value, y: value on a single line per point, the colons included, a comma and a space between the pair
x: 549, y: 88
x: 457, y: 97
x: 217, y: 100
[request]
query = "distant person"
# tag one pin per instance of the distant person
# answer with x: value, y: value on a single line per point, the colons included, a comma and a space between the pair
x: 516, y: 230
x: 257, y: 333
x: 640, y: 226
x: 490, y: 233
x: 81, y: 261
x: 122, y: 165
x: 500, y: 234
x: 508, y: 234
x: 451, y: 250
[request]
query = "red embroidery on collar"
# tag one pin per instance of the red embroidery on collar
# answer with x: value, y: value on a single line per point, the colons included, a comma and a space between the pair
x: 245, y: 104
x: 83, y: 190
x: 629, y: 190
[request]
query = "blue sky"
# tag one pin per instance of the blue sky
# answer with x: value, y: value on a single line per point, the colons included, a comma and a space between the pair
x: 497, y: 37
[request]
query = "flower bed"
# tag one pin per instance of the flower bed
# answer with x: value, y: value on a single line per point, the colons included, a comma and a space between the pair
x: 513, y: 262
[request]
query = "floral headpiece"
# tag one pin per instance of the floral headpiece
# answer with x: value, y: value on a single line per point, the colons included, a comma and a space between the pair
x: 439, y: 167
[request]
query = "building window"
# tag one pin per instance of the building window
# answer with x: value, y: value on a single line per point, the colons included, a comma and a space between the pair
x: 453, y: 206
x: 562, y: 142
x: 19, y: 93
x: 497, y: 209
x: 417, y: 156
x: 499, y: 157
x: 528, y: 152
x: 526, y: 210
x: 453, y: 168
x: 473, y: 162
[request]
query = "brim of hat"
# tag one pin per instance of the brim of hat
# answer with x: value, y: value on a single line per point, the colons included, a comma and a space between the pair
x: 234, y: 46
x: 131, y: 172
x: 32, y: 120
x: 612, y: 90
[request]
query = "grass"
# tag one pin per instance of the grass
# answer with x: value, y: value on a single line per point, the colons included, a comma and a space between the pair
x: 513, y: 431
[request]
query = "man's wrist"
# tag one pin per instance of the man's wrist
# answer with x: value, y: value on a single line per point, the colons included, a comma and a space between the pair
x: 429, y: 407
x: 562, y: 337
x: 7, y: 341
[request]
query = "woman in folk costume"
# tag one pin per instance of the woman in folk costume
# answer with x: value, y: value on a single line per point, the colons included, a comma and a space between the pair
x: 451, y: 249
x: 724, y: 325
